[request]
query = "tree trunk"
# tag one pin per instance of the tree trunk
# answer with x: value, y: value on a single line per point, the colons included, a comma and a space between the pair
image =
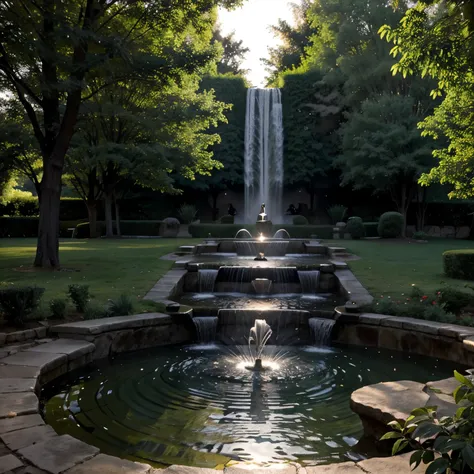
x: 92, y: 212
x: 422, y: 207
x: 47, y: 250
x: 117, y: 215
x: 109, y: 223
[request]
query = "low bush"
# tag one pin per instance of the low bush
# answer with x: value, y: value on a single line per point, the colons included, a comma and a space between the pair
x: 337, y: 213
x: 391, y: 225
x: 355, y: 227
x: 300, y: 220
x: 58, y: 308
x: 95, y: 311
x: 227, y: 220
x: 459, y: 264
x: 443, y: 443
x: 80, y: 296
x: 122, y: 306
x: 19, y: 226
x: 187, y: 213
x: 454, y: 300
x: 420, y: 235
x: 17, y: 303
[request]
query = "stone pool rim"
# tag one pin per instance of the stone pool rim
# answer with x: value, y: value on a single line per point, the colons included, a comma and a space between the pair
x: 23, y: 374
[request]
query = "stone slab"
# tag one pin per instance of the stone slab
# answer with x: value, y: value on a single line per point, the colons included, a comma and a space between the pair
x: 253, y: 469
x: 446, y: 386
x: 98, y: 326
x: 395, y: 322
x: 8, y: 463
x: 59, y: 456
x: 42, y: 360
x: 341, y: 468
x: 175, y: 469
x: 372, y: 318
x: 20, y: 403
x: 28, y: 436
x: 73, y: 348
x: 18, y: 371
x: 396, y: 464
x: 20, y: 422
x: 384, y: 402
x: 29, y: 470
x: 457, y: 332
x: 427, y: 327
x: 104, y: 464
x: 8, y: 385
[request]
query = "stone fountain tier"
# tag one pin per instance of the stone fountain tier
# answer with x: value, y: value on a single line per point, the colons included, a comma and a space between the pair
x: 270, y: 247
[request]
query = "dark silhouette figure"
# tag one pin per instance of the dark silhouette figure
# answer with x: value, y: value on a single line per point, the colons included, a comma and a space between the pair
x: 232, y: 211
x: 291, y: 210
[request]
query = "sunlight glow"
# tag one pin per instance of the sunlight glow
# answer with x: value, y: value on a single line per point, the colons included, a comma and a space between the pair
x: 251, y: 24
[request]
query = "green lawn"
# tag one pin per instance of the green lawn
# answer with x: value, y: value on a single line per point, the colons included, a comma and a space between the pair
x: 391, y: 267
x: 110, y: 267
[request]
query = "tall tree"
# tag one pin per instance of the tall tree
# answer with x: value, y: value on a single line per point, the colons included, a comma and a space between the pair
x: 295, y: 39
x: 233, y: 53
x: 50, y: 49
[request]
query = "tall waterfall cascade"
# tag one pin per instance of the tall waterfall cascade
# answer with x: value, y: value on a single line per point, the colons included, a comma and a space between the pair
x: 264, y: 154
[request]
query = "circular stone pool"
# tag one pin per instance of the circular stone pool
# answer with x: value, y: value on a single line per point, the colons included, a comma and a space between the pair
x: 200, y: 405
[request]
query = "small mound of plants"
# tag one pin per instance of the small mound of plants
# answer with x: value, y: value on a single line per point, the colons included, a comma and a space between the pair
x: 18, y: 303
x: 444, y: 305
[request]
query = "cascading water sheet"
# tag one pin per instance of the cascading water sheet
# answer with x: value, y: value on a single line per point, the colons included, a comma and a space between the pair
x: 264, y: 154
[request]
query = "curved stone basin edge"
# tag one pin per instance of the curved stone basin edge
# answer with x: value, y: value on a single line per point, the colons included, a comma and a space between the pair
x: 29, y: 445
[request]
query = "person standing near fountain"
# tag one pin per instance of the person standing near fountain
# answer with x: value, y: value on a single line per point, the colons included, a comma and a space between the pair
x: 232, y: 211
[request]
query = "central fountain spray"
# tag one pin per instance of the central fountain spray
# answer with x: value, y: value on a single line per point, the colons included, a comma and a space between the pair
x: 259, y: 335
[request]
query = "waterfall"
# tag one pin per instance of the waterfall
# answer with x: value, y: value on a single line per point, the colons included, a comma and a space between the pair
x: 264, y: 154
x: 245, y: 248
x: 206, y: 328
x: 321, y: 330
x: 309, y: 281
x: 207, y: 279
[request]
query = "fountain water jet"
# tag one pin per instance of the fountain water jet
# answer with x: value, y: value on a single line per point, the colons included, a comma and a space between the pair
x: 282, y: 231
x: 244, y: 231
x: 259, y: 335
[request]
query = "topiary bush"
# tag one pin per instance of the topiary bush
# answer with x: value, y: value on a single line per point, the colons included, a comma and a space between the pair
x: 355, y: 227
x: 17, y: 303
x: 420, y: 235
x: 58, y: 308
x: 459, y: 264
x: 300, y: 220
x: 391, y: 225
x: 80, y: 296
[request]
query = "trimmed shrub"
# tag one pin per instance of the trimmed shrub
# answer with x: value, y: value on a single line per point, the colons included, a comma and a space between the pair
x: 227, y: 219
x: 187, y: 213
x: 80, y: 296
x: 58, y: 308
x: 19, y: 226
x: 300, y: 220
x: 122, y: 306
x: 391, y: 225
x: 148, y: 228
x: 17, y: 303
x: 355, y: 227
x: 454, y: 300
x: 337, y: 213
x: 459, y: 264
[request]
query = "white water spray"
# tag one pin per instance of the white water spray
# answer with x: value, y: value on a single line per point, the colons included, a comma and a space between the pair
x: 264, y: 154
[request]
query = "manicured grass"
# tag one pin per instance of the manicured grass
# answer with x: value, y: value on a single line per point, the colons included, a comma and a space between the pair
x: 110, y: 267
x: 390, y: 267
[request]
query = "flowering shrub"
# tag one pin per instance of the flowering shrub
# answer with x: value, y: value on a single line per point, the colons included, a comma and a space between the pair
x: 439, y: 306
